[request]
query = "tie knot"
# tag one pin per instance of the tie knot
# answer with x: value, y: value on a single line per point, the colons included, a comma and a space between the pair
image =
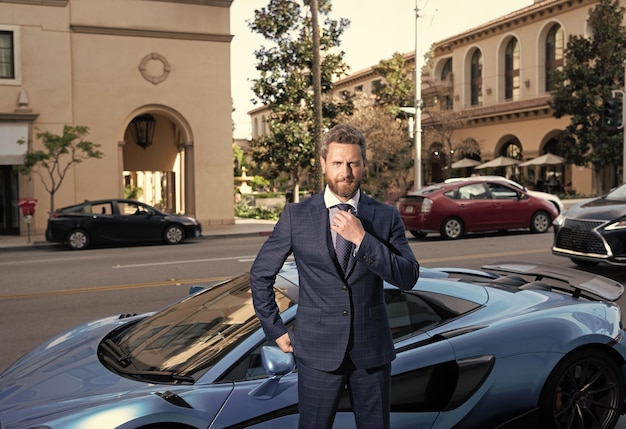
x: 344, y: 207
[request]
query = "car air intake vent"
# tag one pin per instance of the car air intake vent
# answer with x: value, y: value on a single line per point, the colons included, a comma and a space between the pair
x: 124, y: 316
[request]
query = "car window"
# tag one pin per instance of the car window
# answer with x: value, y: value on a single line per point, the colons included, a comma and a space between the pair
x: 501, y: 192
x: 132, y: 209
x: 413, y: 312
x: 196, y: 332
x: 102, y: 208
x: 617, y: 194
x: 474, y: 191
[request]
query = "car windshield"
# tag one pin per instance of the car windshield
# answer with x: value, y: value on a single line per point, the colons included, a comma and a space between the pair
x: 617, y: 194
x: 191, y: 335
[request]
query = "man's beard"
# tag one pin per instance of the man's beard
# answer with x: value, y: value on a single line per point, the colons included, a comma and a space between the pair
x: 344, y: 189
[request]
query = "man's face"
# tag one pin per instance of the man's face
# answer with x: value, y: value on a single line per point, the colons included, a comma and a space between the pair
x: 344, y: 168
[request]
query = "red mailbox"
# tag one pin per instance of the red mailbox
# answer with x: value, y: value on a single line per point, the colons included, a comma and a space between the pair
x: 27, y: 205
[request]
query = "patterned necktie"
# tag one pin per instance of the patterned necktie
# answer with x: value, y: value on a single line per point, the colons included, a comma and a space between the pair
x: 343, y: 247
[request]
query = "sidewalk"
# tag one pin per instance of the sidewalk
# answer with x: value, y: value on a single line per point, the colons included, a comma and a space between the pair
x: 241, y: 228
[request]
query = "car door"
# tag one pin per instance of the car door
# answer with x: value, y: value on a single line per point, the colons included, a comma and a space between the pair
x: 139, y: 222
x: 474, y: 206
x: 103, y: 225
x: 510, y: 208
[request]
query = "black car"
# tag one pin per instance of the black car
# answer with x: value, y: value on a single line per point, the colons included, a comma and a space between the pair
x: 594, y: 230
x: 118, y: 221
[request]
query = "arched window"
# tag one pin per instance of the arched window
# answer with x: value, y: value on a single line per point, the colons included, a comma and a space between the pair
x: 476, y: 95
x: 511, y: 73
x: 512, y: 149
x: 555, y: 46
x: 446, y: 73
x: 447, y: 69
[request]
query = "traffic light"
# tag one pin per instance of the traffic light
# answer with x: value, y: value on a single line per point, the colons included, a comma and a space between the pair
x: 612, y: 114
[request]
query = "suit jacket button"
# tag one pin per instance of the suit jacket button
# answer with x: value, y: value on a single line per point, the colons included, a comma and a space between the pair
x: 344, y: 287
x: 345, y: 313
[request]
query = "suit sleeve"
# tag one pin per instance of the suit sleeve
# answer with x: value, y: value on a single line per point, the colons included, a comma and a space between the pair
x: 390, y: 258
x: 266, y: 266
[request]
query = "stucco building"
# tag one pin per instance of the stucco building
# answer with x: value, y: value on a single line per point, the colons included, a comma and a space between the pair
x: 83, y: 62
x: 491, y: 85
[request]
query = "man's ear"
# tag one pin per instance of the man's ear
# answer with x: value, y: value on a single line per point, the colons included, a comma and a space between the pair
x: 323, y: 164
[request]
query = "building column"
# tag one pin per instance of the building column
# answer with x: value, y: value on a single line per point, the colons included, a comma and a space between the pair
x: 189, y: 187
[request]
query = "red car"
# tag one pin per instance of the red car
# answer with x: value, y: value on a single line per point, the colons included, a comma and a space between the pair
x: 454, y: 209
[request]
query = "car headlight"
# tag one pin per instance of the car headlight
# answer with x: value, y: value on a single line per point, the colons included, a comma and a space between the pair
x: 619, y: 224
x: 560, y: 219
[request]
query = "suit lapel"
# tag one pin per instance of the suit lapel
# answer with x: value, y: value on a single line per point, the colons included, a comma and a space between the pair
x: 365, y: 213
x: 320, y: 222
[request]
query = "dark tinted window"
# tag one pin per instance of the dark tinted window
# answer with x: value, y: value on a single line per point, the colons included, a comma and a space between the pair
x: 413, y: 312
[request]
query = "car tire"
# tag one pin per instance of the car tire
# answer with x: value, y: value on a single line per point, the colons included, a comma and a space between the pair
x: 540, y: 222
x: 452, y: 228
x: 584, y: 262
x: 174, y: 234
x: 418, y: 234
x: 583, y: 391
x: 77, y: 239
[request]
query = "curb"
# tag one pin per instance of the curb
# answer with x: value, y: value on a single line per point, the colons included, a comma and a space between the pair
x: 47, y: 245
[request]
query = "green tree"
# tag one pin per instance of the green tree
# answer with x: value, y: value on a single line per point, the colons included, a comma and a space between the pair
x: 59, y: 154
x: 285, y: 83
x: 593, y: 67
x: 397, y: 89
x: 389, y: 148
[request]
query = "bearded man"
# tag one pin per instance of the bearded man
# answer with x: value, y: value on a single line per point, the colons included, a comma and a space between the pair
x: 345, y: 244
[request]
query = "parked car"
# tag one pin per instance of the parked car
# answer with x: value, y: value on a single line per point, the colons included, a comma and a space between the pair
x: 554, y: 199
x: 456, y: 208
x: 594, y: 230
x: 513, y: 344
x: 118, y: 221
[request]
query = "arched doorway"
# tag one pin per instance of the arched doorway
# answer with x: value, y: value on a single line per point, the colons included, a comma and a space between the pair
x: 157, y: 160
x: 510, y: 147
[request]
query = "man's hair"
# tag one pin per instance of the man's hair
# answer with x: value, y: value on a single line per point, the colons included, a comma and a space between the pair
x: 345, y: 134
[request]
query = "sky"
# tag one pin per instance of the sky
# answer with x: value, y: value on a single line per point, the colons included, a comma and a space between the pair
x: 378, y: 29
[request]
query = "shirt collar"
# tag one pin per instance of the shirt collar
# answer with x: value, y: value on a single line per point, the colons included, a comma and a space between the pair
x: 331, y: 199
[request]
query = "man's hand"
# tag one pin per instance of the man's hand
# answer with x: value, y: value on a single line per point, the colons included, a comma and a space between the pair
x: 284, y: 343
x: 348, y: 226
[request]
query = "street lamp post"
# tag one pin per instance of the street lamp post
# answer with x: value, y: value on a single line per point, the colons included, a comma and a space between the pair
x: 417, y: 127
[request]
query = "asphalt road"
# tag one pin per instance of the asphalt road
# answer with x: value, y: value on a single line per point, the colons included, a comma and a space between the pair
x: 46, y: 291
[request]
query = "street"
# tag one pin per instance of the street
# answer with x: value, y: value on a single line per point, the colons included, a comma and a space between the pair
x: 47, y: 291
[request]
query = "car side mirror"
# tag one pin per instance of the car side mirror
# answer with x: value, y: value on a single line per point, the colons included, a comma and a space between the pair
x: 277, y: 364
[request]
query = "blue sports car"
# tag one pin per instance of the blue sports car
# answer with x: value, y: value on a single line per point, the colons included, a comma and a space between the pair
x: 512, y: 345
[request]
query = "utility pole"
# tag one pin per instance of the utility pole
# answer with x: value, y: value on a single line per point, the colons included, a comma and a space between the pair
x: 624, y: 131
x: 417, y: 127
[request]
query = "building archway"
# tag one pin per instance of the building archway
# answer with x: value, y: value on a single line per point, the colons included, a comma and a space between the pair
x: 159, y: 172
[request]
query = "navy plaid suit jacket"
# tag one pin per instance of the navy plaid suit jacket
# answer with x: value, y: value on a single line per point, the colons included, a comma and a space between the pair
x: 336, y: 314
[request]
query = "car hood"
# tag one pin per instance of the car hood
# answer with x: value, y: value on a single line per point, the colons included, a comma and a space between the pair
x: 598, y: 209
x: 53, y: 375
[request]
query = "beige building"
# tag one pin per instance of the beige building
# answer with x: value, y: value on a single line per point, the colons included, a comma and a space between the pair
x: 161, y: 65
x: 490, y: 85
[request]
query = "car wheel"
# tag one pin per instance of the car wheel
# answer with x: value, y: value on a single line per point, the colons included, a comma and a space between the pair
x: 584, y: 262
x: 452, y: 228
x: 540, y: 222
x: 418, y: 234
x: 583, y: 391
x: 77, y: 239
x: 174, y: 234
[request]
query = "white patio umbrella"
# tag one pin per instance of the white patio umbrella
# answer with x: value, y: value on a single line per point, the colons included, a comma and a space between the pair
x: 501, y: 161
x: 465, y: 162
x: 547, y: 159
